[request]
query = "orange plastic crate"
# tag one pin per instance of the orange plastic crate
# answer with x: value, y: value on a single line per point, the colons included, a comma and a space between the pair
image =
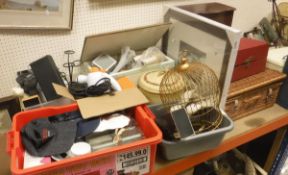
x: 98, y: 162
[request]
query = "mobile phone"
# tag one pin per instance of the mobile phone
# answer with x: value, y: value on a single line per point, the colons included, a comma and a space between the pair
x: 182, y: 122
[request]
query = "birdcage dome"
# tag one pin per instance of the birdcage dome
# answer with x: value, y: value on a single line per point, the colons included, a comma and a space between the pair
x: 194, y: 87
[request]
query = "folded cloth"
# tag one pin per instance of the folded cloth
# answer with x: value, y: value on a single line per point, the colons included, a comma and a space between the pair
x: 114, y: 121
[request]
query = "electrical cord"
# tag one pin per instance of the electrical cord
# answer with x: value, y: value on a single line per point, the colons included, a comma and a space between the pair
x: 77, y: 90
x: 101, y: 87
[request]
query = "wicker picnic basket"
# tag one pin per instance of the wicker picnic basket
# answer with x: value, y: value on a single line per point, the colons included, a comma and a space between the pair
x: 254, y: 93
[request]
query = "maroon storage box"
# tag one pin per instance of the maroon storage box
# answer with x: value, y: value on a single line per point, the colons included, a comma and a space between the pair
x: 251, y: 58
x: 214, y: 10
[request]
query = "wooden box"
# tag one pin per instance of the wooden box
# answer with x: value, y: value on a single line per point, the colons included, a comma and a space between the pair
x: 215, y: 11
x: 251, y: 58
x: 253, y: 93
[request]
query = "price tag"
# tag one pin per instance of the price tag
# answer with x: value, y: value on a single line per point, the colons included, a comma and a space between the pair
x: 135, y: 161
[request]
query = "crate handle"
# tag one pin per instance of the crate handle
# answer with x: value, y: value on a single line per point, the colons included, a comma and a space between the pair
x: 9, y: 142
x: 149, y: 112
x: 235, y: 104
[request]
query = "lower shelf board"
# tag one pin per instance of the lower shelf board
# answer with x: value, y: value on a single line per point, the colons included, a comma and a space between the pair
x: 245, y: 130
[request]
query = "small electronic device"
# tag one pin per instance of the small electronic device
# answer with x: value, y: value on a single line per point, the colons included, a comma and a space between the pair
x: 105, y: 62
x: 182, y: 122
x: 46, y: 72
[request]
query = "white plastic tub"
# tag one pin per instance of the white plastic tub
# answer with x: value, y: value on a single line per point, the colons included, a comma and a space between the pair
x: 134, y: 74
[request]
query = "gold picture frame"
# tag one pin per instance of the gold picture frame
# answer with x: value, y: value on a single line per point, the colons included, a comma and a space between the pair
x: 36, y: 14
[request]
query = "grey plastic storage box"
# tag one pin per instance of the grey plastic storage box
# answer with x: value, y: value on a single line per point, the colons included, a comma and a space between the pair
x: 193, y: 144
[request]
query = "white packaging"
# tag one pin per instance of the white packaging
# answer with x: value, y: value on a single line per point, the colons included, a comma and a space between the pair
x: 276, y: 58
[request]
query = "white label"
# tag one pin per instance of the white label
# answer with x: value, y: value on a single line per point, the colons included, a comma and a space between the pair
x: 135, y: 161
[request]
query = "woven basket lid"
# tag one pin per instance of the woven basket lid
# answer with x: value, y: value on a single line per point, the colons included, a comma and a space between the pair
x: 150, y: 81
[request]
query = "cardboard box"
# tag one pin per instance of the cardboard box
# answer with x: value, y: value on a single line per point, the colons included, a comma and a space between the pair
x: 96, y: 106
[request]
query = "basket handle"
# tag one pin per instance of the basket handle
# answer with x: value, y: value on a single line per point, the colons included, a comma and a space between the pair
x: 233, y: 105
x: 269, y: 94
x: 9, y: 142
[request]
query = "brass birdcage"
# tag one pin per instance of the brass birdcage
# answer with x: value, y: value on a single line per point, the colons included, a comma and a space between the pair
x: 195, y: 88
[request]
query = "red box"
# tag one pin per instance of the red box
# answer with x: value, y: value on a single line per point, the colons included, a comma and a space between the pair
x: 251, y: 58
x: 98, y: 162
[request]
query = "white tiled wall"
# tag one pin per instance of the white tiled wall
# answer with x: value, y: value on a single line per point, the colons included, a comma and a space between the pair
x: 18, y: 48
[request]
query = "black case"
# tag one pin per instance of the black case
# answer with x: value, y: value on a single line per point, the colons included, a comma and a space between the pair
x: 46, y: 73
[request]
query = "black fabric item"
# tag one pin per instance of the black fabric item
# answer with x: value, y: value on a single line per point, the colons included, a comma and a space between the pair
x: 43, y: 138
x: 27, y: 81
x: 84, y: 127
x: 164, y: 121
x: 73, y: 115
x: 282, y: 99
x: 204, y: 169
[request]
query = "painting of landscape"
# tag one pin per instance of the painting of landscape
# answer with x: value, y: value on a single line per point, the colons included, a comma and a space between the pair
x: 30, y: 5
x: 36, y: 14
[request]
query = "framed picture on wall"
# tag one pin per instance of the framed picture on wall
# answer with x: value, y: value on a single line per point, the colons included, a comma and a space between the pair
x: 36, y: 14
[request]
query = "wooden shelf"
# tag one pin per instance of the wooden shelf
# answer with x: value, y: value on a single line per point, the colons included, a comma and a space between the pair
x: 245, y: 130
